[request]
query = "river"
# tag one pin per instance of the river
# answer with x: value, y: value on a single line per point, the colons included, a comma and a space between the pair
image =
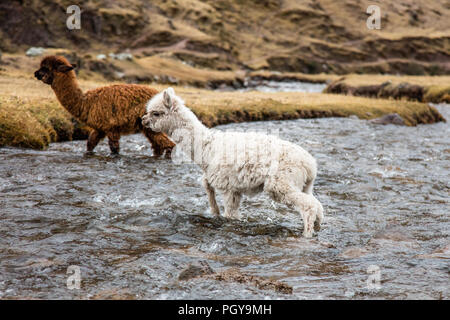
x: 132, y: 223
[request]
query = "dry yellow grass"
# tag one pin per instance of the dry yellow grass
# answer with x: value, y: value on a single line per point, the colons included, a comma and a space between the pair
x: 30, y: 115
x: 33, y: 123
x: 371, y: 79
x: 18, y: 126
x: 217, y: 108
x: 295, y: 76
x: 164, y: 65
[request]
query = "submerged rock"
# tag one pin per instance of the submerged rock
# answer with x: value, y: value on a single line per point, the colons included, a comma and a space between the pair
x: 394, y: 238
x: 392, y: 118
x: 234, y: 275
x: 439, y: 253
x: 393, y: 234
x: 194, y: 271
x: 204, y: 270
x: 352, y: 253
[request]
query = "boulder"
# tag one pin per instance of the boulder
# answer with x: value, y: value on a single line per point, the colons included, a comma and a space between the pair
x: 35, y: 51
x: 392, y: 118
x: 203, y: 269
x: 121, y: 56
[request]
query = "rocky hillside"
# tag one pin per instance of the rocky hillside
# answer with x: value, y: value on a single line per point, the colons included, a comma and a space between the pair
x: 308, y: 36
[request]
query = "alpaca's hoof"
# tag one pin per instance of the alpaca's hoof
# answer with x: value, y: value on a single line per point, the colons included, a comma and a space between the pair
x: 157, y: 153
x: 168, y: 151
x: 168, y: 154
x: 89, y: 153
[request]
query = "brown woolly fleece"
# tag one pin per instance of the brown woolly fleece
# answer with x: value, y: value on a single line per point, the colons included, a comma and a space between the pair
x: 110, y: 111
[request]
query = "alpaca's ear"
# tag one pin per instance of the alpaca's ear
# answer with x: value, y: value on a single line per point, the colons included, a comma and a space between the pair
x: 170, y: 91
x: 168, y: 98
x: 63, y: 68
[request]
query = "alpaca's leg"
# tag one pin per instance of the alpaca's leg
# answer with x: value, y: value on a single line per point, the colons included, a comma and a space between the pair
x: 232, y: 201
x: 113, y: 140
x: 160, y: 142
x: 93, y: 139
x: 308, y: 189
x: 310, y: 208
x: 211, y: 197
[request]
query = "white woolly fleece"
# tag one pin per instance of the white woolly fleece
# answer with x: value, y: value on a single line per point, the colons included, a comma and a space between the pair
x: 237, y: 163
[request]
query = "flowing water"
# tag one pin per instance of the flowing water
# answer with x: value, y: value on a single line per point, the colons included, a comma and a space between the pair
x: 132, y: 223
x: 276, y: 86
x: 283, y: 86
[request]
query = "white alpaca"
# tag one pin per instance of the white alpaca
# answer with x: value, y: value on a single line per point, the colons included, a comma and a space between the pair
x: 236, y: 163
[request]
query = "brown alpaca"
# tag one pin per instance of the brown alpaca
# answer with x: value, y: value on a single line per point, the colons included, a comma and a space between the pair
x: 110, y: 111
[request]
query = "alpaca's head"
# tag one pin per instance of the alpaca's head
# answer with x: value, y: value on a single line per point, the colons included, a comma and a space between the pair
x: 163, y: 111
x: 52, y: 67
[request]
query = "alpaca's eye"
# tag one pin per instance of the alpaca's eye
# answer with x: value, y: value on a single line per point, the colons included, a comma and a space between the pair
x: 157, y: 114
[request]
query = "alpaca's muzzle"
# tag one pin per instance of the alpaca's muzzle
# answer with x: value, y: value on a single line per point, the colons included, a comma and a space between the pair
x: 145, y: 121
x: 38, y: 75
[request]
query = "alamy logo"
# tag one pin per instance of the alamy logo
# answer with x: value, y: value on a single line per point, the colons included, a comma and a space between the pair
x: 74, y: 280
x: 374, y: 21
x: 73, y: 22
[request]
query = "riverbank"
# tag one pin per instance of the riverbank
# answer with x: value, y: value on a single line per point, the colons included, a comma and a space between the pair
x: 435, y: 89
x: 31, y: 117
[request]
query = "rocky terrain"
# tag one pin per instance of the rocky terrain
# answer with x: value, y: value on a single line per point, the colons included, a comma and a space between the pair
x: 308, y: 36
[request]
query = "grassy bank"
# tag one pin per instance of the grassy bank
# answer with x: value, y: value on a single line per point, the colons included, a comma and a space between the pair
x: 293, y: 76
x: 31, y: 117
x: 34, y: 123
x: 226, y: 107
x: 417, y: 88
